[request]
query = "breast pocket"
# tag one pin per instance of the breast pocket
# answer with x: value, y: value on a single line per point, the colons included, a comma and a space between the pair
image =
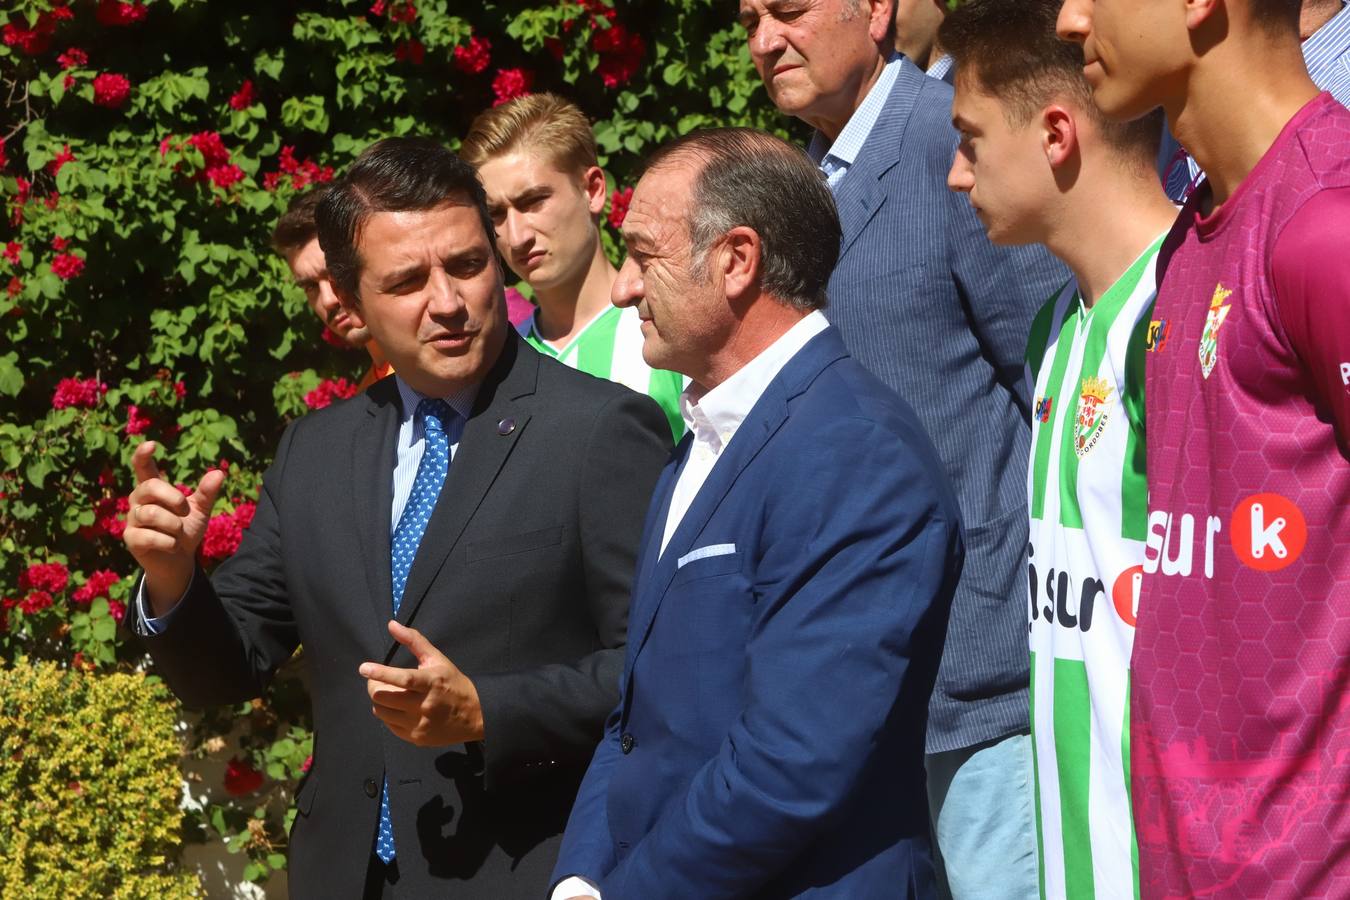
x: 513, y: 544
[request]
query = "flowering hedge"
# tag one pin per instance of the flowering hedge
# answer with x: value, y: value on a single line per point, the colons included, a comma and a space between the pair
x: 148, y: 148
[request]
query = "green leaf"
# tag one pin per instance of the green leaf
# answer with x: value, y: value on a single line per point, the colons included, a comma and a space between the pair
x: 11, y: 377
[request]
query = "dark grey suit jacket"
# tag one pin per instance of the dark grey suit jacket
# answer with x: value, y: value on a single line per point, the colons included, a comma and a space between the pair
x: 942, y: 316
x: 522, y: 579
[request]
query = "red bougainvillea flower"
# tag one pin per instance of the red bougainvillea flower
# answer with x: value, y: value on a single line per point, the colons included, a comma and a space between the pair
x: 51, y: 577
x: 222, y: 538
x: 12, y: 251
x: 243, y: 513
x: 35, y: 40
x: 510, y: 84
x: 473, y: 57
x: 377, y: 8
x: 242, y: 98
x: 111, y: 90
x: 241, y: 778
x: 109, y: 518
x: 179, y: 390
x: 4, y: 160
x: 618, y: 206
x: 68, y: 82
x: 59, y: 244
x: 72, y: 58
x: 76, y: 392
x: 308, y: 763
x: 224, y: 176
x: 116, y: 12
x: 620, y: 54
x: 117, y: 609
x: 411, y: 51
x: 67, y: 265
x: 136, y: 422
x: 15, y: 286
x: 328, y: 391
x: 65, y: 156
x: 211, y: 147
x: 37, y: 600
x: 97, y: 585
x: 404, y: 11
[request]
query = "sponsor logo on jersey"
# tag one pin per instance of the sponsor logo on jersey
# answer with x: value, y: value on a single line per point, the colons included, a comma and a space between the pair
x: 1067, y: 601
x: 1094, y: 405
x: 1159, y: 330
x: 1125, y: 593
x: 1043, y: 405
x: 1209, y: 338
x: 1345, y: 376
x: 1267, y: 532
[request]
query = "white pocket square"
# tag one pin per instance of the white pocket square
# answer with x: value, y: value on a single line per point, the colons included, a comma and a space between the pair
x: 704, y: 553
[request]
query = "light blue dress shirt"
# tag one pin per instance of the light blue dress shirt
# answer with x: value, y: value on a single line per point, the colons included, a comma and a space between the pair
x: 834, y: 159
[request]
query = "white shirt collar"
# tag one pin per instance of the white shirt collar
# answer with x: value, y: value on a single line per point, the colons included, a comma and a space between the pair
x: 714, y: 417
x: 461, y: 401
x: 845, y: 149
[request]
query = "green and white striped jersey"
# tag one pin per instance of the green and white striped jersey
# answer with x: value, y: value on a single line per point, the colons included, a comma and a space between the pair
x: 1086, y: 490
x: 610, y: 347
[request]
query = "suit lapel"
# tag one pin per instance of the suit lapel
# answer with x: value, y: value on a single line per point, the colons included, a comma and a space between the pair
x: 482, y: 452
x: 860, y: 195
x: 372, y: 487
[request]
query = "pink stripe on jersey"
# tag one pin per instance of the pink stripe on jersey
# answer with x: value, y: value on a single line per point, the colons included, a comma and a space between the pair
x: 1240, y: 741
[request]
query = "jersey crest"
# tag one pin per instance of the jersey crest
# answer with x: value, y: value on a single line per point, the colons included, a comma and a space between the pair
x: 1209, y: 337
x: 1094, y: 406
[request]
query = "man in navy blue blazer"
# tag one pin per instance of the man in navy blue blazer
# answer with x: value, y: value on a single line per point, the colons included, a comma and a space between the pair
x: 941, y: 315
x: 795, y: 570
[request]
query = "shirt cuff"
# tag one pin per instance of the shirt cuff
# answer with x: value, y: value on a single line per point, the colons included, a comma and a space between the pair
x: 574, y: 886
x: 144, y: 623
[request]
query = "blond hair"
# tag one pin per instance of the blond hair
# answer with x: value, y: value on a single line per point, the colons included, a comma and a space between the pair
x: 543, y: 122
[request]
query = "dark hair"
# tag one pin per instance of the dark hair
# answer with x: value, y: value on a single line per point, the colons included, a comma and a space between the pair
x: 1008, y: 49
x: 401, y: 174
x: 296, y: 226
x: 751, y: 178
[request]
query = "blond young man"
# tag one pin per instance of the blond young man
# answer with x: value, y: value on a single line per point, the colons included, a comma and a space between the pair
x: 537, y: 160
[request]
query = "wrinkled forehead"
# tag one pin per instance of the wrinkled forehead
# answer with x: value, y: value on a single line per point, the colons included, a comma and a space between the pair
x: 661, y: 201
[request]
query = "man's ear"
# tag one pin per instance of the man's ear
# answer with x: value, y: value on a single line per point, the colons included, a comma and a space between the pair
x: 881, y: 18
x: 593, y: 183
x: 1059, y: 136
x: 1201, y: 12
x: 739, y: 258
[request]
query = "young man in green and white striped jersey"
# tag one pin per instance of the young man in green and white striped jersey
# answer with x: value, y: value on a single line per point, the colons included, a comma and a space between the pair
x: 536, y: 158
x: 1040, y: 164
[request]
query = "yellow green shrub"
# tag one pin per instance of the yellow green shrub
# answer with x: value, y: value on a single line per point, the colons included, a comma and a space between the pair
x: 89, y: 787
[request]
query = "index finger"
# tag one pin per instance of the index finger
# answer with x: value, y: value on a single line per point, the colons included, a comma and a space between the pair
x: 143, y: 462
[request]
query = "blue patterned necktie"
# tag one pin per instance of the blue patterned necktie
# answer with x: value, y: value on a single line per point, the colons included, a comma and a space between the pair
x: 411, y: 525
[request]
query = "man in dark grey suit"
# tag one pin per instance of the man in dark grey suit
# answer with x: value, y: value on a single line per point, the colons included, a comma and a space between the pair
x: 941, y: 315
x: 487, y: 499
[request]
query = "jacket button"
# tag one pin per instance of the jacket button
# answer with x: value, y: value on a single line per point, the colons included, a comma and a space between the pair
x: 372, y: 789
x: 626, y: 743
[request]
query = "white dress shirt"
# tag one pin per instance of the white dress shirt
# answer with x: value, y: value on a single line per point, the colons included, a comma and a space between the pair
x: 408, y: 456
x: 713, y: 419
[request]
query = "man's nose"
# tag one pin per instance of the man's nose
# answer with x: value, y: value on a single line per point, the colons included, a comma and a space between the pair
x: 443, y: 296
x: 767, y: 40
x: 961, y: 176
x: 627, y: 290
x: 1075, y: 21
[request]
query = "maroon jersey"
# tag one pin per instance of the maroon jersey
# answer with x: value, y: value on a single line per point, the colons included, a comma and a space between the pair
x: 1240, y: 738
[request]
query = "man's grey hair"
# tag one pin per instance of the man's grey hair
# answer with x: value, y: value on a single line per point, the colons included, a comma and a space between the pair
x: 751, y: 178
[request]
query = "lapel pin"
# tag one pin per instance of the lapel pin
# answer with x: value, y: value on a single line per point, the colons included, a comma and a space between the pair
x: 506, y: 426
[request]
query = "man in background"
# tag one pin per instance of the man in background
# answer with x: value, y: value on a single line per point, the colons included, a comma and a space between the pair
x: 1041, y: 164
x: 296, y: 239
x: 536, y: 158
x: 924, y: 300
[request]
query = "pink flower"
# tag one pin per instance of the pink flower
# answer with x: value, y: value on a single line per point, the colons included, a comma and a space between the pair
x: 411, y: 51
x: 618, y: 206
x: 270, y: 180
x: 242, y: 98
x: 34, y: 41
x: 620, y: 54
x: 15, y: 286
x: 111, y: 90
x: 224, y: 176
x: 59, y: 244
x: 377, y: 8
x: 117, y: 609
x: 404, y: 11
x: 243, y: 513
x: 211, y: 147
x: 510, y: 84
x: 136, y: 423
x: 74, y: 392
x: 241, y: 778
x: 73, y: 58
x: 309, y: 761
x: 68, y: 82
x: 165, y: 144
x: 67, y: 265
x: 222, y: 538
x: 328, y: 391
x: 332, y: 339
x: 97, y: 585
x: 52, y: 577
x: 12, y: 251
x: 179, y: 390
x: 473, y: 57
x: 4, y: 160
x: 37, y: 600
x: 116, y: 12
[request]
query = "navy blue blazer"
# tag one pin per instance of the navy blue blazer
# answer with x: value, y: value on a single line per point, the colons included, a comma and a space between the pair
x: 942, y: 316
x: 781, y: 652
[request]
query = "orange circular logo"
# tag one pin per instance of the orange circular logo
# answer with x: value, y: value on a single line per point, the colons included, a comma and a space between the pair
x: 1268, y: 532
x: 1125, y: 593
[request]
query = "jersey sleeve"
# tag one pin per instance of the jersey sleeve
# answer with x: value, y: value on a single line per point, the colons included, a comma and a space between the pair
x: 1310, y: 268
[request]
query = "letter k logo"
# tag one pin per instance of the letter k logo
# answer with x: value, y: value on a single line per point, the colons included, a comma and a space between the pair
x: 1266, y: 535
x: 1269, y: 532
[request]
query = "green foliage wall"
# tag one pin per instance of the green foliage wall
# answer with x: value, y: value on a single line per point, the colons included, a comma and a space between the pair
x: 148, y: 149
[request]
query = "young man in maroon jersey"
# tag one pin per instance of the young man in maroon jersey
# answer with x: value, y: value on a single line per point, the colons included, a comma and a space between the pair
x: 1241, y: 702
